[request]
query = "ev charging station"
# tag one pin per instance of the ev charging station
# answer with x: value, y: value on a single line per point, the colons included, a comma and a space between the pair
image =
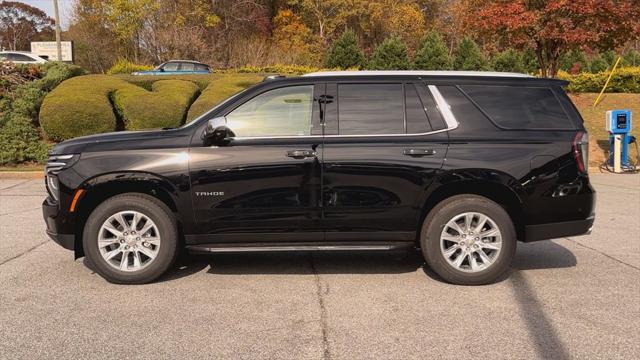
x: 618, y: 123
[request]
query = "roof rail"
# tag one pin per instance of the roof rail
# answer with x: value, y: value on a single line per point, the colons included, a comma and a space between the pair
x: 273, y: 77
x: 418, y: 73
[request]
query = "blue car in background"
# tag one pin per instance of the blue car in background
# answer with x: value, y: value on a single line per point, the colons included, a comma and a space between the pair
x: 177, y: 67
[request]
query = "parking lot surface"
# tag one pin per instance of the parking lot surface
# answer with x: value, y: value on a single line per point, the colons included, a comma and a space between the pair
x: 574, y: 297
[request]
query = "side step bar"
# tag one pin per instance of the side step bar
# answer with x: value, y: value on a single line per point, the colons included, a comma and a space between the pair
x: 257, y: 247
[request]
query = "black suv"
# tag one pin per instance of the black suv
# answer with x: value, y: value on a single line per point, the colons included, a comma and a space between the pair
x: 458, y: 164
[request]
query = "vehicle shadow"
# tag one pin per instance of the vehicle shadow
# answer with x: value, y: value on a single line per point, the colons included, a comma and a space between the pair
x: 540, y: 255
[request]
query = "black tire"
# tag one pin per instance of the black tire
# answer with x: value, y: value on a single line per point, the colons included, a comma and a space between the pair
x: 151, y: 207
x: 446, y: 210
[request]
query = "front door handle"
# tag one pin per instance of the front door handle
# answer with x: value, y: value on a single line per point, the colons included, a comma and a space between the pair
x: 419, y: 152
x: 301, y: 154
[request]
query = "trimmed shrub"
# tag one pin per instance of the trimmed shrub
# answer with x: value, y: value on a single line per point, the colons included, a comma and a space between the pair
x: 20, y: 142
x: 345, y: 53
x: 80, y: 106
x: 146, y: 81
x: 391, y: 54
x: 85, y: 105
x: 468, y: 56
x: 509, y: 60
x: 165, y: 106
x: 624, y: 80
x: 124, y: 66
x: 220, y: 88
x: 433, y: 53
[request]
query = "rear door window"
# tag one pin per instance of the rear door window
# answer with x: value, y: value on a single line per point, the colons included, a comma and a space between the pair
x: 187, y: 66
x: 417, y: 121
x: 370, y: 109
x: 516, y: 107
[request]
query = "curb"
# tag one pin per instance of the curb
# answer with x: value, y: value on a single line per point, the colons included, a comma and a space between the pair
x: 21, y: 175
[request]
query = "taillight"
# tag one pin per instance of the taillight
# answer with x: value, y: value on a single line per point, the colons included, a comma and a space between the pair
x: 581, y: 151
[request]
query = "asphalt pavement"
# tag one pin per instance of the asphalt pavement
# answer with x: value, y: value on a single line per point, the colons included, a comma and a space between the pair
x: 575, y: 297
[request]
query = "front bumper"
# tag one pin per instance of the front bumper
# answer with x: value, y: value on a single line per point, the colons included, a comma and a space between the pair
x: 559, y: 229
x: 50, y: 213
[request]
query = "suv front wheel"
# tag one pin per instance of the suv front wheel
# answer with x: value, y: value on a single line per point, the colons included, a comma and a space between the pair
x: 130, y: 239
x: 468, y: 240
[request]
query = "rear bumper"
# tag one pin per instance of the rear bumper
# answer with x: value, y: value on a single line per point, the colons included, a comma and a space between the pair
x: 50, y: 213
x: 558, y: 230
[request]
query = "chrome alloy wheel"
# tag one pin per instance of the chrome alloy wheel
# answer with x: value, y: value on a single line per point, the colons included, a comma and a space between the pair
x: 129, y: 241
x: 470, y: 242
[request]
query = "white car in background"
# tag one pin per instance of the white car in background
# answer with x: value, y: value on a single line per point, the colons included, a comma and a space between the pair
x: 21, y: 57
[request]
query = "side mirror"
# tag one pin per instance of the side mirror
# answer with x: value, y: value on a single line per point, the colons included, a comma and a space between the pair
x: 216, y: 132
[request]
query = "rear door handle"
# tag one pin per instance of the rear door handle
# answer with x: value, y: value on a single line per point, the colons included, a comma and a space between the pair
x: 419, y: 152
x: 301, y: 154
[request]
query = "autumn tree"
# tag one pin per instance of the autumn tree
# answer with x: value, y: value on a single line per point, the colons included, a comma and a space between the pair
x: 20, y: 24
x: 552, y: 27
x: 345, y: 52
x: 468, y: 56
x: 294, y: 38
x: 126, y: 18
x: 403, y: 19
x: 391, y: 54
x: 324, y: 14
x: 432, y: 54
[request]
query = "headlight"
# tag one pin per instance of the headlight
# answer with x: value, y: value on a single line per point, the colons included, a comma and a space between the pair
x: 53, y: 188
x: 55, y: 164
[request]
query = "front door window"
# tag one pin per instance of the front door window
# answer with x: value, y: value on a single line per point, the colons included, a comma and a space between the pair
x: 279, y: 112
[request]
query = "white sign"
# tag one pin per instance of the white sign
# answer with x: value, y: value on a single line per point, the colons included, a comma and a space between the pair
x: 50, y: 50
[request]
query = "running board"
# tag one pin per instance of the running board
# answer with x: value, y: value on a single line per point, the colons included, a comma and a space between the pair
x: 223, y: 248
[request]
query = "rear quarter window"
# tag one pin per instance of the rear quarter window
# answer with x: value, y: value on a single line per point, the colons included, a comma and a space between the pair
x: 516, y: 107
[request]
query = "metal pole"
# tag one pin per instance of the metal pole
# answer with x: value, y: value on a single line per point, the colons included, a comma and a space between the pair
x: 58, y: 44
x: 607, y: 82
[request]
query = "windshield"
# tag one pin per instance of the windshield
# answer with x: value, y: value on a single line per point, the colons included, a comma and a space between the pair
x: 215, y: 107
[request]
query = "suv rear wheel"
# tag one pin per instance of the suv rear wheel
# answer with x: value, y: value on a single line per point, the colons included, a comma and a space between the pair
x: 468, y: 240
x: 130, y: 239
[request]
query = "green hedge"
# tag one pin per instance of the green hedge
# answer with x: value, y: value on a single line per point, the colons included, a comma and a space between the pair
x: 147, y: 81
x: 101, y: 103
x: 165, y: 106
x: 20, y: 138
x: 624, y: 80
x: 85, y: 105
x: 80, y: 106
x: 20, y: 142
x: 220, y: 88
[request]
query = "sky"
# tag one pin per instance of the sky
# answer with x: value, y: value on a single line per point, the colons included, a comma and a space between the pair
x: 64, y: 6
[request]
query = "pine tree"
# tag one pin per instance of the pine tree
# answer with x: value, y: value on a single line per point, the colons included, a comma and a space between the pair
x: 569, y: 60
x: 598, y: 64
x: 391, y: 54
x: 509, y: 60
x: 344, y: 52
x: 469, y: 57
x: 433, y: 53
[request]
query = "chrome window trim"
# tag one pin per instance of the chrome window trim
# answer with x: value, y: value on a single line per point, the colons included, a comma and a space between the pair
x: 418, y: 73
x: 443, y: 107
